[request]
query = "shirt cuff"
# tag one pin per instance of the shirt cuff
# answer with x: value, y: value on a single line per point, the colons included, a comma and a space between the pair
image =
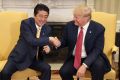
x: 85, y: 65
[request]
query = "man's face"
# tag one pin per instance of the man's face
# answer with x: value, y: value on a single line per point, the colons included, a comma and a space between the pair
x: 79, y: 19
x: 41, y: 18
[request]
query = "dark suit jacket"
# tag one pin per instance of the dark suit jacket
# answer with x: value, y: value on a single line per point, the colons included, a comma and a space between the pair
x: 94, y: 42
x: 26, y: 48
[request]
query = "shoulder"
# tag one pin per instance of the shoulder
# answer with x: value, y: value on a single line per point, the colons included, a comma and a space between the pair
x: 70, y: 24
x: 97, y: 26
x: 28, y: 21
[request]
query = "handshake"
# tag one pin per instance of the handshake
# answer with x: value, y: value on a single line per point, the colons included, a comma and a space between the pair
x: 55, y: 41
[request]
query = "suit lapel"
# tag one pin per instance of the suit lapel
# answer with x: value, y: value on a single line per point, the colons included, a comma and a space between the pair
x: 43, y: 30
x: 89, y: 33
x: 33, y: 27
x: 74, y: 32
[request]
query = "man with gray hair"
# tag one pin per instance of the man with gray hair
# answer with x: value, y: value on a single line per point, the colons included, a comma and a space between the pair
x: 85, y: 41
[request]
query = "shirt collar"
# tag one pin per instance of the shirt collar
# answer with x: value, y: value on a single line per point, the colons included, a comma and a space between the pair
x: 38, y: 26
x: 85, y: 27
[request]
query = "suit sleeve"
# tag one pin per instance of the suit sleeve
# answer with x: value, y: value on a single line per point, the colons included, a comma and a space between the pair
x: 97, y: 48
x: 30, y: 38
x: 64, y: 38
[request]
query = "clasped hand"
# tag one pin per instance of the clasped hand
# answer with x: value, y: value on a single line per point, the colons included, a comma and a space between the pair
x: 55, y: 41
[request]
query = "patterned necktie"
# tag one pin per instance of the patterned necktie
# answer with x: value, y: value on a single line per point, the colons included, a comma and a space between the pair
x: 78, y: 50
x: 38, y: 36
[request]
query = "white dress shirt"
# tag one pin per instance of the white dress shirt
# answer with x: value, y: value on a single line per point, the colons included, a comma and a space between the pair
x: 85, y: 27
x: 83, y: 54
x: 38, y: 26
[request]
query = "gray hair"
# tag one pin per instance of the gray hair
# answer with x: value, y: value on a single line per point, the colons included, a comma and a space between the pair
x: 83, y: 10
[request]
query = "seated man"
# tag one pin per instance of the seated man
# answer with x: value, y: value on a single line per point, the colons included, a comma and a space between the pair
x: 85, y: 41
x: 33, y: 40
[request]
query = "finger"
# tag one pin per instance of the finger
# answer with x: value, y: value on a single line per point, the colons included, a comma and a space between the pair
x: 44, y: 49
x: 77, y: 75
x: 82, y: 75
x: 45, y: 46
x: 55, y: 37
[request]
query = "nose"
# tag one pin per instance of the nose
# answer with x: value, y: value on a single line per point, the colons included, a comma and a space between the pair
x: 43, y: 18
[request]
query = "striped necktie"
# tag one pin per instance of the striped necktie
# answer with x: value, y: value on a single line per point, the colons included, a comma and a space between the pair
x: 38, y: 36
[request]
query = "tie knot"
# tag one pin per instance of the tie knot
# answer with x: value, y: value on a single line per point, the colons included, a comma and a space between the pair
x: 39, y: 28
x: 38, y: 32
x: 81, y: 27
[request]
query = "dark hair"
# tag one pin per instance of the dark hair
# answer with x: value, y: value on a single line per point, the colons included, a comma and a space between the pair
x: 40, y: 7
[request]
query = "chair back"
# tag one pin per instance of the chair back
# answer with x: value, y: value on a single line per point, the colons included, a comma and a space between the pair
x: 9, y: 31
x: 109, y: 22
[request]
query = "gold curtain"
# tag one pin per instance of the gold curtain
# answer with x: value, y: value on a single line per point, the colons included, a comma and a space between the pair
x: 110, y: 6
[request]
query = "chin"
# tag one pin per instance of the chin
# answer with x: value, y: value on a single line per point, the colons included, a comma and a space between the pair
x: 76, y: 24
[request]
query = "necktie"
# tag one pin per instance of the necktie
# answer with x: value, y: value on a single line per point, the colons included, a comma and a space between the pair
x: 38, y: 36
x: 78, y: 50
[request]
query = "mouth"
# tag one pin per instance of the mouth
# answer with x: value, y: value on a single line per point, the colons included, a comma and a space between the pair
x: 41, y: 22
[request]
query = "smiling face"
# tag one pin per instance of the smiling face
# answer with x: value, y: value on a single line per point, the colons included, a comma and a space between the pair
x: 81, y: 15
x: 79, y: 20
x: 41, y: 13
x: 41, y: 17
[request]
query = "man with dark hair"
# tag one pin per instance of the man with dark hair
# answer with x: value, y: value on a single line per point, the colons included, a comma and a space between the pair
x: 33, y: 43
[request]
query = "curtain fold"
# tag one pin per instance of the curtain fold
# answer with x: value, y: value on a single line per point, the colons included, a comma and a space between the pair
x: 110, y: 6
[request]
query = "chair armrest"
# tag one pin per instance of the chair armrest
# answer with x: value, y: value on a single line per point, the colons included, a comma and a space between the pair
x: 114, y: 49
x: 0, y: 57
x: 2, y: 64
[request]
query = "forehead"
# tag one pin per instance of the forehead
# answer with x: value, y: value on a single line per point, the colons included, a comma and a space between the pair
x: 42, y: 12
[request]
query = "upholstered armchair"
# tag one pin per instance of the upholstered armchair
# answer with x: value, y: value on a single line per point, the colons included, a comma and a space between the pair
x: 9, y: 34
x: 109, y: 22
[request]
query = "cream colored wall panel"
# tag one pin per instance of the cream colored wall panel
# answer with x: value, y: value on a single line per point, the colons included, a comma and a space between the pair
x: 0, y: 4
x: 62, y: 3
x: 90, y: 3
x: 18, y: 3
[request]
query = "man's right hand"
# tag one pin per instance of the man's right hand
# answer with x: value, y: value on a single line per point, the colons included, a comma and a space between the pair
x: 55, y: 41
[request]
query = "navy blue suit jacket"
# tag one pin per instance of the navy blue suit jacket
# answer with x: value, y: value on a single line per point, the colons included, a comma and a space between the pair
x: 26, y: 48
x: 94, y: 42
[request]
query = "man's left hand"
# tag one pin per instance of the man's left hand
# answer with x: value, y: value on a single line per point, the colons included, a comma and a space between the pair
x: 46, y: 49
x: 81, y: 71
